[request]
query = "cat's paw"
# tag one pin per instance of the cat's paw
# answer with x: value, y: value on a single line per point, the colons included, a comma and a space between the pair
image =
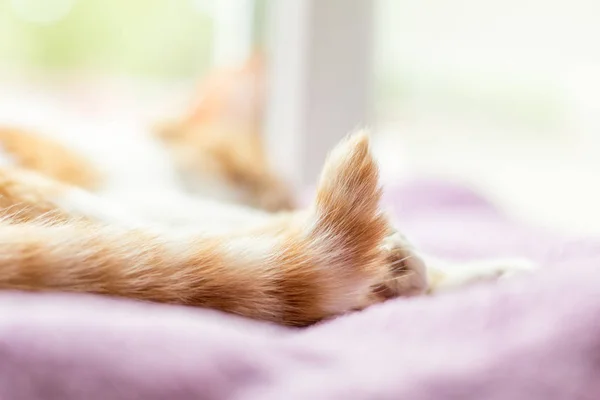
x: 406, y: 271
x: 496, y: 269
x: 509, y: 268
x: 452, y: 276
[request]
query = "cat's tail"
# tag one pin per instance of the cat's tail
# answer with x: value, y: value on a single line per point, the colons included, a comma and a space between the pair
x: 346, y: 226
x: 347, y: 201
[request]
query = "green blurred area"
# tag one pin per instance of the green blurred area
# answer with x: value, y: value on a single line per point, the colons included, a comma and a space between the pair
x: 149, y: 38
x: 171, y: 39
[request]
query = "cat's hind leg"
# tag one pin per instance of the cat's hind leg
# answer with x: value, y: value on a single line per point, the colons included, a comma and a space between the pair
x: 445, y: 276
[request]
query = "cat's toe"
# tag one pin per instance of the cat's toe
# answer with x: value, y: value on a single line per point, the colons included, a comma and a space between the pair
x: 407, y: 272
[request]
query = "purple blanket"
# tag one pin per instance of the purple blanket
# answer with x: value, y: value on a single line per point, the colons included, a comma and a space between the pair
x: 533, y: 338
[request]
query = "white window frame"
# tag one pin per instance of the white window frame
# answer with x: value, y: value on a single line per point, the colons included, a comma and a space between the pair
x: 319, y: 80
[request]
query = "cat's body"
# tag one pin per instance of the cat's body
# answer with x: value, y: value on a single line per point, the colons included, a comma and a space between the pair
x: 294, y: 268
x: 104, y: 206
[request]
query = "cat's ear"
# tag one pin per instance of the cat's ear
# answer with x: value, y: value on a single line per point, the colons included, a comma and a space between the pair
x: 255, y: 63
x: 168, y: 130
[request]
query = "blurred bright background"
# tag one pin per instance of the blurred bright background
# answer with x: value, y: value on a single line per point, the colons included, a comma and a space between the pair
x: 498, y: 94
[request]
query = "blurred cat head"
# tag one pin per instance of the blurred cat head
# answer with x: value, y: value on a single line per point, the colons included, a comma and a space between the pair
x: 217, y: 146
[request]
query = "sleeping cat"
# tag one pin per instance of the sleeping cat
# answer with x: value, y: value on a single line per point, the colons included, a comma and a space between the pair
x: 295, y: 268
x: 195, y: 216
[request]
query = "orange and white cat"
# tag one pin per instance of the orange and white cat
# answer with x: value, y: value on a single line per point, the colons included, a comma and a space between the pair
x: 106, y: 207
x: 296, y: 268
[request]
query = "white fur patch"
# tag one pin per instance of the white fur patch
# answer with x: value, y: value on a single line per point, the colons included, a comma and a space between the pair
x: 6, y: 159
x: 455, y: 275
x: 253, y: 250
x: 79, y: 202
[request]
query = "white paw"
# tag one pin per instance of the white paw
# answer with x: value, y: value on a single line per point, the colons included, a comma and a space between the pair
x: 512, y: 267
x: 407, y: 273
x: 463, y: 274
